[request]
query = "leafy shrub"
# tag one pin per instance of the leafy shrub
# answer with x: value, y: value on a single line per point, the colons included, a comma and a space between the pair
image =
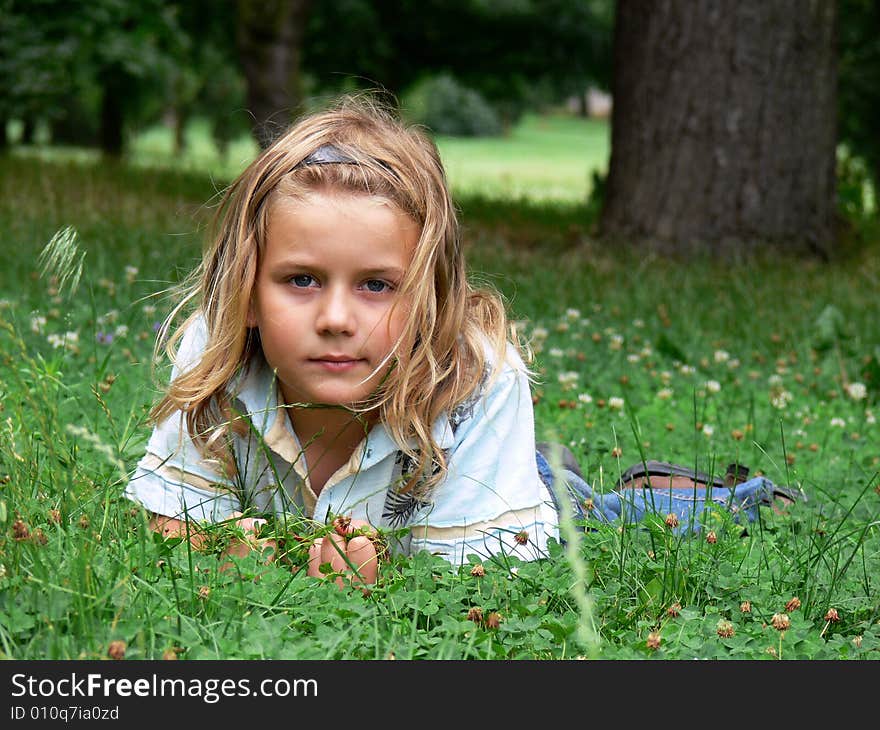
x: 446, y: 106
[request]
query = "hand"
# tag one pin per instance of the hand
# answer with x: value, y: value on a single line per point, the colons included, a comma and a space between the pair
x: 348, y: 553
x: 240, y: 547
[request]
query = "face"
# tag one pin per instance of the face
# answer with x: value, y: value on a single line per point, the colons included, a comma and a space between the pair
x: 325, y: 293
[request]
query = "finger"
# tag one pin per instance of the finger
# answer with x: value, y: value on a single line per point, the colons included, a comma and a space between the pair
x: 333, y: 552
x: 362, y: 554
x: 268, y: 550
x: 360, y: 527
x: 315, y: 550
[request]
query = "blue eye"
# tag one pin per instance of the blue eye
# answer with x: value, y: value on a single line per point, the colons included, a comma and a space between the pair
x: 302, y: 280
x: 376, y: 285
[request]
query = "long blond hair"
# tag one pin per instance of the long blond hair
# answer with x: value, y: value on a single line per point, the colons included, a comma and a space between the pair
x: 440, y: 357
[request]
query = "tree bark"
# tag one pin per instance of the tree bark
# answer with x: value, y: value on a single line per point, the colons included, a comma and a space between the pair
x: 269, y: 43
x: 723, y: 125
x: 113, y: 83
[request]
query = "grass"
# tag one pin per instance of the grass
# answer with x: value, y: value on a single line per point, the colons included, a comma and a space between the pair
x: 544, y: 158
x: 700, y: 364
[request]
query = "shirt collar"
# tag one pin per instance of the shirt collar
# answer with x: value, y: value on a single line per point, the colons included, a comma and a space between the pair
x: 258, y: 392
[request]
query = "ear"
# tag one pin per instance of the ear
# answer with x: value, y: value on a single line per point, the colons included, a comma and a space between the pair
x: 251, y: 319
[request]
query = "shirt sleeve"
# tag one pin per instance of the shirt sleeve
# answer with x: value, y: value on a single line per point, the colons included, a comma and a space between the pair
x: 492, y: 500
x: 172, y: 478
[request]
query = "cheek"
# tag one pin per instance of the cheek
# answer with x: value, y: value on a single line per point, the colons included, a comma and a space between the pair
x: 395, y: 321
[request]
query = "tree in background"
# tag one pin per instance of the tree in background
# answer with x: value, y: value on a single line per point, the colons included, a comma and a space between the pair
x: 724, y: 124
x: 269, y: 42
x: 507, y: 50
x: 860, y: 82
x: 84, y: 68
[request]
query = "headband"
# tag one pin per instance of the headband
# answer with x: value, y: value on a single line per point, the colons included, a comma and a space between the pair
x: 330, y: 154
x: 326, y: 154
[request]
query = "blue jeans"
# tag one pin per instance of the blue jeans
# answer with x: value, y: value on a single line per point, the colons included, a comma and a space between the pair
x: 631, y: 505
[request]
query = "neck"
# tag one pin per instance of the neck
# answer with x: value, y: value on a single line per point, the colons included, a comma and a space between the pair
x: 332, y: 427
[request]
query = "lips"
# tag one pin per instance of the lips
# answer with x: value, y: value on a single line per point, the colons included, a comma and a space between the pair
x: 336, y: 363
x: 336, y: 358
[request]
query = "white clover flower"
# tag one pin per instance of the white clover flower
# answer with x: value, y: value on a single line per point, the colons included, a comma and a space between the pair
x: 5, y: 303
x: 569, y: 376
x: 780, y: 398
x: 646, y: 351
x: 121, y: 330
x: 539, y: 333
x: 108, y: 317
x: 722, y: 356
x: 774, y: 380
x: 733, y: 363
x: 713, y: 386
x: 616, y: 342
x: 633, y: 357
x: 638, y: 323
x: 615, y: 403
x: 562, y: 327
x: 856, y: 391
x: 130, y: 273
x: 585, y: 398
x: 37, y: 323
x: 573, y: 314
x: 708, y: 430
x: 839, y: 422
x: 665, y: 377
x: 68, y: 339
x: 870, y: 418
x: 149, y: 309
x: 687, y: 370
x: 555, y: 352
x: 664, y: 393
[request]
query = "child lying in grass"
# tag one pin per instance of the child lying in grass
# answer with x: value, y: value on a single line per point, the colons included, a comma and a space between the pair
x: 337, y: 365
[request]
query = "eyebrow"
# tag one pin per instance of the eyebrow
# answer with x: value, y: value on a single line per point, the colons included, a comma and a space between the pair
x: 391, y: 269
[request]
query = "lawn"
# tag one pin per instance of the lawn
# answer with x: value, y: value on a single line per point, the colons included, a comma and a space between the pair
x: 770, y: 362
x: 542, y: 158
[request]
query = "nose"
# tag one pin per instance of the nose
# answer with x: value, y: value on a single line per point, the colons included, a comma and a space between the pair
x: 336, y: 313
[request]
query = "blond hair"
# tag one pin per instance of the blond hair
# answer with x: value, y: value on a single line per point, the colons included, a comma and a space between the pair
x: 441, y: 355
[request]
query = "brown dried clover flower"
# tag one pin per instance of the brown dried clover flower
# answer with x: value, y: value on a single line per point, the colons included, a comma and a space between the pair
x: 780, y: 621
x: 478, y: 571
x: 745, y: 607
x: 341, y: 525
x: 674, y: 610
x: 20, y: 530
x: 493, y: 620
x: 475, y: 614
x: 793, y: 605
x: 116, y: 649
x: 725, y: 629
x: 832, y: 615
x: 653, y: 641
x: 711, y: 537
x: 521, y: 537
x: 671, y: 520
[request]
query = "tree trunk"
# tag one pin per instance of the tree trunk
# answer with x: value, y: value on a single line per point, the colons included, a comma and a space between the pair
x: 269, y: 42
x: 723, y: 125
x: 114, y: 88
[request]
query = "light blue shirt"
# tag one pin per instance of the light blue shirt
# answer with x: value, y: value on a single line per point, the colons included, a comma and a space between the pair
x: 491, y: 501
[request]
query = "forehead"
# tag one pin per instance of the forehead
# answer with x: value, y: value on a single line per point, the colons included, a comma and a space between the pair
x: 320, y: 220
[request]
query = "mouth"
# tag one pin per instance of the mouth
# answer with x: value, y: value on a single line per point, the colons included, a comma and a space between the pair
x: 336, y: 362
